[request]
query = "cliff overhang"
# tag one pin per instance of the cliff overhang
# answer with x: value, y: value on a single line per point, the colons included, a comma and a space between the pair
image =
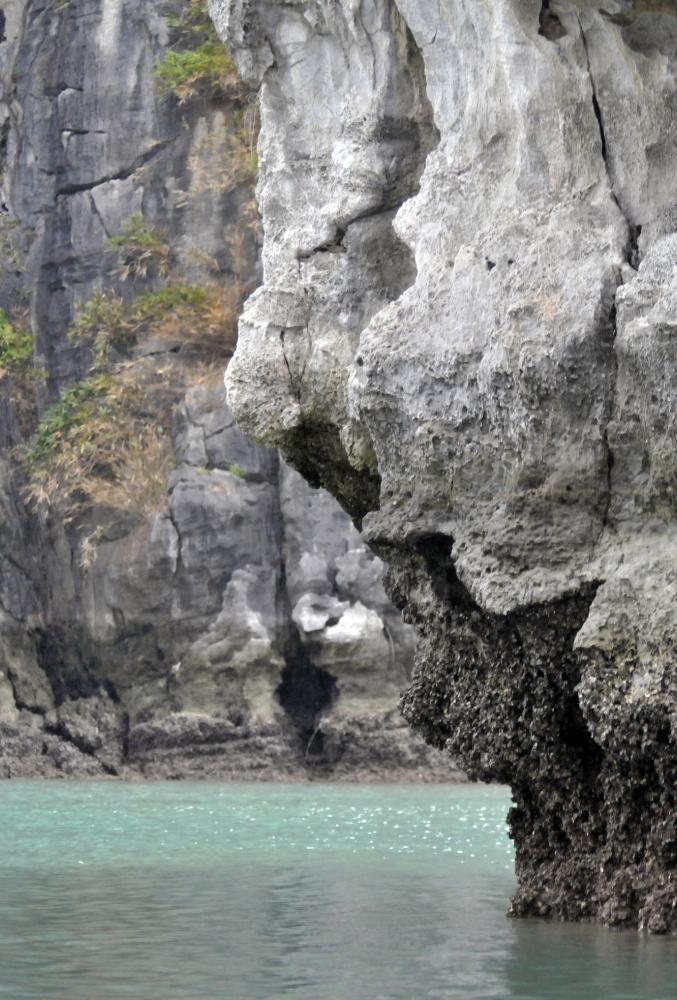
x: 466, y: 332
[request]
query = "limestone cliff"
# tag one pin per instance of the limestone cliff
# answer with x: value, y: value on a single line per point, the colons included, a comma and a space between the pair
x: 228, y: 621
x: 468, y: 320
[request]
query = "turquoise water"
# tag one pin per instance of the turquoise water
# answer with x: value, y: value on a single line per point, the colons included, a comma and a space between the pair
x: 258, y: 892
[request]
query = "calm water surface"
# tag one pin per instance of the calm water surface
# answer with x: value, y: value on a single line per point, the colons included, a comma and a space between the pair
x: 315, y: 892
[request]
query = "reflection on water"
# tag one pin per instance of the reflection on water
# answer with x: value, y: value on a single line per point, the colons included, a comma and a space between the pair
x: 237, y: 892
x: 567, y: 962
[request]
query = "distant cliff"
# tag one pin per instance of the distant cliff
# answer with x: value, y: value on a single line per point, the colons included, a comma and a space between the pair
x: 175, y: 601
x: 468, y: 323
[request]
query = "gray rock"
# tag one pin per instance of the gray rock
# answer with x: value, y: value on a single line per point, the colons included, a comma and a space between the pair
x: 187, y: 615
x: 8, y: 707
x: 95, y: 726
x: 192, y: 745
x: 207, y: 435
x: 28, y: 751
x: 138, y: 575
x: 494, y: 401
x: 158, y: 345
x: 366, y: 747
x: 238, y: 662
x: 20, y: 666
x: 223, y: 523
x: 168, y: 644
x: 338, y: 602
x: 88, y: 144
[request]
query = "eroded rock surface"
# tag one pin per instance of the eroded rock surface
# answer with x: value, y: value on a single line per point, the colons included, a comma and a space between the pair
x: 469, y: 309
x: 241, y: 629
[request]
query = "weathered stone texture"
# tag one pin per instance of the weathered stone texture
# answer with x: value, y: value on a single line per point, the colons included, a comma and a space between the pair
x: 175, y: 645
x: 514, y: 403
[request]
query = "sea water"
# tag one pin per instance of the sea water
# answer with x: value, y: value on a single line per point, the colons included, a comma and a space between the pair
x: 183, y: 891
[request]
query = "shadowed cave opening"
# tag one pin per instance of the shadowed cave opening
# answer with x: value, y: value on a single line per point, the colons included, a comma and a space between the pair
x: 550, y: 25
x: 305, y: 692
x: 65, y: 656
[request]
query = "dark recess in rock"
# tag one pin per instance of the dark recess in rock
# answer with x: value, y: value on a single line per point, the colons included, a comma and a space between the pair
x: 62, y: 654
x: 305, y: 692
x: 325, y: 463
x: 550, y: 25
x: 156, y: 638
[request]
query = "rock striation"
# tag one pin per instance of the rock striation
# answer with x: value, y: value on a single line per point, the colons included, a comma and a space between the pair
x: 468, y: 319
x: 241, y: 629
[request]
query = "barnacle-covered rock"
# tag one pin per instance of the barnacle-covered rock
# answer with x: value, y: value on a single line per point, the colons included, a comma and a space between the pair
x: 466, y: 333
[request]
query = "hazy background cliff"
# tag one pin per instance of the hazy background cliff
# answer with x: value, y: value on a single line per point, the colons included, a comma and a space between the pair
x: 174, y: 599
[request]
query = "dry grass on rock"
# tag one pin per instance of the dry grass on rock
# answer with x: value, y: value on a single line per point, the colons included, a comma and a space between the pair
x: 109, y: 440
x: 96, y: 446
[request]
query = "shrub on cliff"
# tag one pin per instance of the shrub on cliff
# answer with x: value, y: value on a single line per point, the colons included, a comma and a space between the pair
x: 197, y: 64
x: 200, y: 314
x: 184, y: 72
x: 97, y: 446
x: 16, y: 348
x: 197, y: 61
x: 146, y: 249
x: 108, y: 441
x: 18, y: 367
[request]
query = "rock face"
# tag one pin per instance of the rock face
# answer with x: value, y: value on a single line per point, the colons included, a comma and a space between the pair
x: 242, y: 633
x: 240, y: 630
x: 469, y: 310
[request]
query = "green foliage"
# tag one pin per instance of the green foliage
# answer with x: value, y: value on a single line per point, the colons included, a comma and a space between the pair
x: 193, y: 312
x: 188, y: 66
x: 105, y: 321
x: 97, y: 447
x: 237, y: 470
x: 75, y: 408
x: 197, y: 63
x: 207, y: 65
x: 146, y: 248
x: 16, y: 348
x: 137, y: 232
x: 172, y: 297
x: 193, y: 17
